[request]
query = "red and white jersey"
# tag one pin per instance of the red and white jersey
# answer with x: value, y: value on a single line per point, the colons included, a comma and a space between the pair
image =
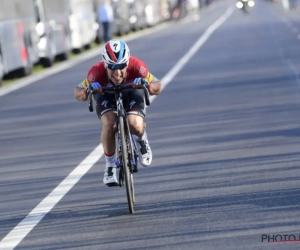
x: 136, y: 68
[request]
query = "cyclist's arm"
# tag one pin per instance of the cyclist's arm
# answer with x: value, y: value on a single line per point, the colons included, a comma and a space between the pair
x: 79, y: 91
x: 155, y: 87
x: 93, y: 75
x: 80, y: 94
x: 154, y: 84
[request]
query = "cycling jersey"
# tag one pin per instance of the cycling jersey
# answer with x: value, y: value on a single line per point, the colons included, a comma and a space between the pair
x: 136, y: 68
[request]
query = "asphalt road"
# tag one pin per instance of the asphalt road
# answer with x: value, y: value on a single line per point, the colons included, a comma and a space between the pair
x: 225, y: 136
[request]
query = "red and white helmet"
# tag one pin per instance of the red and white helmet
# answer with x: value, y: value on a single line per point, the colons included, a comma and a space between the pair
x: 115, y: 52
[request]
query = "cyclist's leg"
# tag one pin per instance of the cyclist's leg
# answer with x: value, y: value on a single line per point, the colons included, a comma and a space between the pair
x: 135, y: 108
x: 105, y: 109
x: 136, y: 113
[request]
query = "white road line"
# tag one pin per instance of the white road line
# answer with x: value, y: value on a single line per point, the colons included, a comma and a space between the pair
x: 12, y: 239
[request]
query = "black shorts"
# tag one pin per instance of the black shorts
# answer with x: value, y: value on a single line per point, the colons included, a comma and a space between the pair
x: 133, y: 101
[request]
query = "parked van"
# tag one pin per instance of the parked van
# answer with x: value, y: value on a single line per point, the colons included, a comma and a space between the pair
x: 137, y: 17
x: 121, y: 17
x: 98, y: 26
x: 18, y: 37
x: 52, y: 26
x: 83, y: 24
x: 153, y: 12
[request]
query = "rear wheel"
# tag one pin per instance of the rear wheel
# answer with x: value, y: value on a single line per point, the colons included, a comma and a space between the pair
x: 127, y: 174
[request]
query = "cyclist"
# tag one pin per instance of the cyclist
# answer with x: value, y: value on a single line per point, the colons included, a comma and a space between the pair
x: 118, y: 67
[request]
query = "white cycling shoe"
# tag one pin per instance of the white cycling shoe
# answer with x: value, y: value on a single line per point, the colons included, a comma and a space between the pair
x: 145, y: 153
x: 111, y: 176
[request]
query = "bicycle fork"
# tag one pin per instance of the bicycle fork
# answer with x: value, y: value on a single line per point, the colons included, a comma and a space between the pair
x: 132, y: 157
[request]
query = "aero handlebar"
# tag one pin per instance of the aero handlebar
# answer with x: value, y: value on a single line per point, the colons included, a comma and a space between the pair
x: 118, y: 88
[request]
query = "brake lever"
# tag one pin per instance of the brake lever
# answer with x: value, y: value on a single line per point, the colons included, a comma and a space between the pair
x: 90, y: 98
x: 146, y: 91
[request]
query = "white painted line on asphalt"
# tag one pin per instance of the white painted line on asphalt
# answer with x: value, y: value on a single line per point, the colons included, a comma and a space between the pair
x: 192, y: 51
x: 11, y: 240
x: 71, y: 63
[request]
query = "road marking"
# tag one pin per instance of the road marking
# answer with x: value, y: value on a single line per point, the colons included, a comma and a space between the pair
x: 16, y: 235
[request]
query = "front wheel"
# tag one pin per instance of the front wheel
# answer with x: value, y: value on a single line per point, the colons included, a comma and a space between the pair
x: 132, y: 188
x: 127, y: 173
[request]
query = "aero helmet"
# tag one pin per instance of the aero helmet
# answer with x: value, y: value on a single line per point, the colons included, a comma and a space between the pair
x: 115, y: 52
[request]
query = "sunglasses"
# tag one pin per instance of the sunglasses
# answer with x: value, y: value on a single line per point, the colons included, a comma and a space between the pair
x: 117, y: 66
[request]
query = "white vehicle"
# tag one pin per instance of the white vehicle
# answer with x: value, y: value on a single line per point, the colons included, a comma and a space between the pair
x: 153, y: 12
x: 52, y: 26
x: 18, y: 37
x: 121, y: 17
x: 137, y: 18
x: 98, y: 26
x: 83, y: 24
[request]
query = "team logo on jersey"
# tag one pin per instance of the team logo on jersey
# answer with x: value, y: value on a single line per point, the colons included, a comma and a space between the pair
x: 91, y: 78
x: 143, y: 71
x: 149, y: 77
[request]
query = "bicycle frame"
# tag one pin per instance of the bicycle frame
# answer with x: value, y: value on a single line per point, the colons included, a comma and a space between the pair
x: 131, y: 143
